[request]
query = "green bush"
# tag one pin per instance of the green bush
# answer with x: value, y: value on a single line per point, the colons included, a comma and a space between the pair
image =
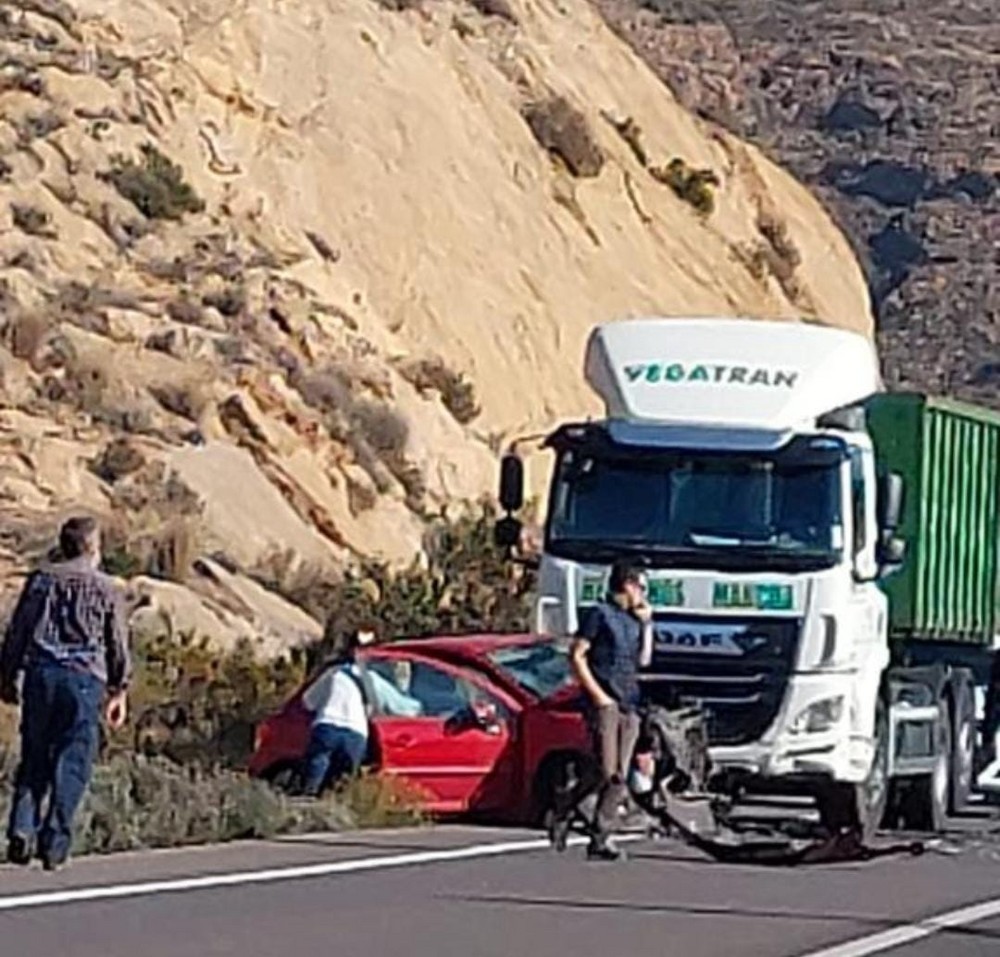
x: 156, y: 186
x: 694, y: 186
x: 464, y: 585
x: 137, y: 802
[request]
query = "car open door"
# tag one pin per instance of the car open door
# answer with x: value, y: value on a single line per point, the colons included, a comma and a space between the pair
x: 444, y: 731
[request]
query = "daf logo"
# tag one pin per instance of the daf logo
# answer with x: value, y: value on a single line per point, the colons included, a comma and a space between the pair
x: 707, y: 639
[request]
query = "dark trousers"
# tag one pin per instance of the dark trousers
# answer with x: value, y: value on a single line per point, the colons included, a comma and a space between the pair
x: 615, y: 735
x: 333, y: 752
x: 60, y: 733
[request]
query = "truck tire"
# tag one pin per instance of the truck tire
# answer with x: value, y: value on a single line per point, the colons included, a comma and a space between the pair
x: 862, y: 806
x: 924, y: 804
x: 963, y: 749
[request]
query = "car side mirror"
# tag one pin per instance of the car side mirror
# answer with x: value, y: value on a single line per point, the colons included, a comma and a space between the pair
x: 485, y: 716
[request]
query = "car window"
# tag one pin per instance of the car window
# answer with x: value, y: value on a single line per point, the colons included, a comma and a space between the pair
x: 404, y: 687
x: 541, y: 669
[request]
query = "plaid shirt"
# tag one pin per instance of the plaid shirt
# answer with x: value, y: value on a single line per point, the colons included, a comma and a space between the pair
x: 72, y: 615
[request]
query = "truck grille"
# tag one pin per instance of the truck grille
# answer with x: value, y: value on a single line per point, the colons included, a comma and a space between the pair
x: 737, y: 669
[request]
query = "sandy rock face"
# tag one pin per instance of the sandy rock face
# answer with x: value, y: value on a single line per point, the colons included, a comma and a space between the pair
x: 364, y: 273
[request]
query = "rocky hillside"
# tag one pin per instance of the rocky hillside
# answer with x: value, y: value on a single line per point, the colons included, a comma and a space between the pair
x: 890, y: 110
x: 278, y: 277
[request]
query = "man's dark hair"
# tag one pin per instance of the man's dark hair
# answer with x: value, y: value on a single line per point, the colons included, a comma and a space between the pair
x: 622, y: 574
x: 75, y: 536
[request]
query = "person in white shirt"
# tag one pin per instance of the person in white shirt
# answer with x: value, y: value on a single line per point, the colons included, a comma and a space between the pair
x: 338, y: 741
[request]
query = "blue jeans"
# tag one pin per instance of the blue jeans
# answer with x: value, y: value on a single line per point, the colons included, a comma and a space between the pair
x: 333, y: 752
x: 60, y: 733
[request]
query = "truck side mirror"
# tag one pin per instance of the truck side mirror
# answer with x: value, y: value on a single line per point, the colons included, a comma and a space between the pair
x: 511, y: 483
x: 892, y: 552
x: 507, y: 533
x: 890, y: 503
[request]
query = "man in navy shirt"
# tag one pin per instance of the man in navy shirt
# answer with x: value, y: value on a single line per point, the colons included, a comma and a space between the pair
x: 613, y: 642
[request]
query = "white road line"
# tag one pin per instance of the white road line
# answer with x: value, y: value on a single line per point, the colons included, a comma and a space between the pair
x: 77, y: 895
x: 898, y: 936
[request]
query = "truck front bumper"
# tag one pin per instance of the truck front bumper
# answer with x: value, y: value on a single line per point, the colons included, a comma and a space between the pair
x: 810, y: 738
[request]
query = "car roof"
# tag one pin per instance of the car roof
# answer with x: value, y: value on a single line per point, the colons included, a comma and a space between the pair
x: 464, y: 646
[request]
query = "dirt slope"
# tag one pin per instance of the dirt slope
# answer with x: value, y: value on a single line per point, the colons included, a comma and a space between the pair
x: 366, y: 273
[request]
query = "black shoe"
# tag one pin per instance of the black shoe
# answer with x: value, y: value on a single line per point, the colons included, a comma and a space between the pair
x: 605, y: 851
x: 558, y: 831
x: 20, y: 850
x: 53, y: 862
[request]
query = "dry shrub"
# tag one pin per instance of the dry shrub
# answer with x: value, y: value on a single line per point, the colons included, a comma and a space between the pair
x: 564, y: 131
x: 186, y: 311
x: 230, y: 301
x: 33, y: 221
x: 155, y: 527
x: 119, y: 458
x: 501, y: 9
x: 631, y: 133
x: 376, y: 433
x: 38, y: 126
x: 302, y: 583
x: 155, y: 185
x: 785, y: 258
x: 457, y: 393
x: 25, y: 334
x: 360, y: 497
x: 696, y: 187
x: 775, y: 255
x: 135, y: 802
x: 186, y: 399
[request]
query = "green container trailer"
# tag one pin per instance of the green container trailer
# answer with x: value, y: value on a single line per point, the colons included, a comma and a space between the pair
x: 948, y: 454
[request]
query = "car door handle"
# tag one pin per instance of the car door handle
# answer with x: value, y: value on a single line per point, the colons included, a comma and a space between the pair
x: 402, y: 741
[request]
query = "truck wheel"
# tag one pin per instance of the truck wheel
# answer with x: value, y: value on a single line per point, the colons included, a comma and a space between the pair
x: 873, y: 793
x: 963, y: 749
x: 862, y: 806
x: 924, y: 805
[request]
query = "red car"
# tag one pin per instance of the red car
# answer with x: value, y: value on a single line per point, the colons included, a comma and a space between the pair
x: 482, y: 725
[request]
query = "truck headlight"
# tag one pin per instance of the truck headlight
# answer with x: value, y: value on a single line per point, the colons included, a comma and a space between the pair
x: 822, y: 715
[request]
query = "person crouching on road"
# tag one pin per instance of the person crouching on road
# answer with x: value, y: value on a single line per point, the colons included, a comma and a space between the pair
x: 68, y: 636
x: 340, y: 704
x: 613, y: 642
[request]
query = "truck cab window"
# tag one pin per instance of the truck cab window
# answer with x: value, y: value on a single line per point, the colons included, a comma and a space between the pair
x: 859, y: 501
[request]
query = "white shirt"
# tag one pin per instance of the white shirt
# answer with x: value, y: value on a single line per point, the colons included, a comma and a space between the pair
x: 335, y: 698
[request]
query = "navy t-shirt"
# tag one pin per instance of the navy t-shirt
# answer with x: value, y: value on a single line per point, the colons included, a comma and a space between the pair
x: 615, y: 637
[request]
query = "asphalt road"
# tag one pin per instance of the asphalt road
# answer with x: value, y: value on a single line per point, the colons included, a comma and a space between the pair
x: 477, y: 893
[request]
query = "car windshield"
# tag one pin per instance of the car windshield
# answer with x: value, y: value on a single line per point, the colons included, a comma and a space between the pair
x: 785, y: 510
x: 541, y: 669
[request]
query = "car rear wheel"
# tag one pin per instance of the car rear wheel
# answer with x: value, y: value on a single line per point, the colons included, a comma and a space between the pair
x: 561, y: 782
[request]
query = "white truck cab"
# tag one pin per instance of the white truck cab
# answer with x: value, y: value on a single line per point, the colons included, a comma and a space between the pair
x: 732, y: 463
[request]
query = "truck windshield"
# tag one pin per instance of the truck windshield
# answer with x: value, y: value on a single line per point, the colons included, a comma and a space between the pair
x: 707, y: 510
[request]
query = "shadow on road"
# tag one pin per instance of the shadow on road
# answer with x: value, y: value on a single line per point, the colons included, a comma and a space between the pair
x: 694, y: 910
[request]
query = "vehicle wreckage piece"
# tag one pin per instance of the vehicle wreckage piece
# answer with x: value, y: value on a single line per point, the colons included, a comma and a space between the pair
x: 674, y: 799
